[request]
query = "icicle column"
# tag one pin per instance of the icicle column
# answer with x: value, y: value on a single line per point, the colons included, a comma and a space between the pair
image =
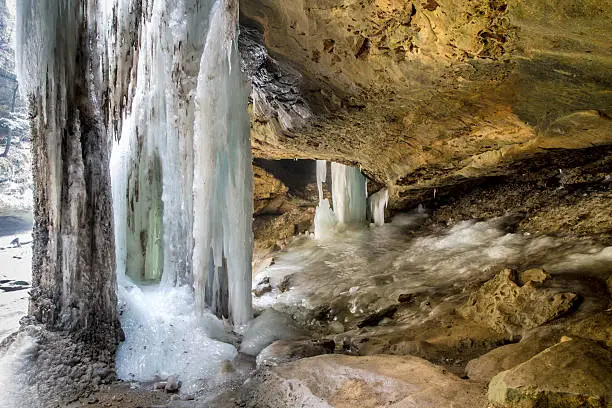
x: 223, y: 179
x: 348, y: 194
x: 325, y: 220
x: 321, y: 176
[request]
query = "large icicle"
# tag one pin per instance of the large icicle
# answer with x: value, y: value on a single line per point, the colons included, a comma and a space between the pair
x: 348, y: 194
x: 222, y: 184
x: 378, y: 202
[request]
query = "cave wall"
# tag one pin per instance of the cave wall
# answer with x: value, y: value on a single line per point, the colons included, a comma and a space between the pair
x: 73, y: 264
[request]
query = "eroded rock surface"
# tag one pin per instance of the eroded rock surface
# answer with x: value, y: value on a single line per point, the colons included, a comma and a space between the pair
x: 284, y: 351
x: 509, y: 308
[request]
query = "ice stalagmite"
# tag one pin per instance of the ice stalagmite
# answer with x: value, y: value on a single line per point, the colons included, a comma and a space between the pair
x: 222, y: 183
x: 378, y: 202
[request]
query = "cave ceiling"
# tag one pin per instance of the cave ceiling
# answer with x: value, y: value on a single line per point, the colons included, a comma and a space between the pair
x: 427, y: 94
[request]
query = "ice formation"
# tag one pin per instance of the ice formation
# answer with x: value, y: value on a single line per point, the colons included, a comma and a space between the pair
x: 378, y: 202
x: 182, y: 184
x: 348, y: 194
x: 165, y: 335
x: 223, y: 179
x: 173, y: 131
x: 349, y: 197
x: 266, y: 329
x: 321, y: 176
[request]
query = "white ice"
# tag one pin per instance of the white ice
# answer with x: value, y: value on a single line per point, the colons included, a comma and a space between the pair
x: 349, y: 199
x: 378, y: 202
x: 165, y: 335
x: 267, y: 328
x: 17, y: 391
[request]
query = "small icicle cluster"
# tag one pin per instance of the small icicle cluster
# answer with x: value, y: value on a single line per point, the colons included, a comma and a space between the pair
x: 350, y: 199
x: 349, y: 196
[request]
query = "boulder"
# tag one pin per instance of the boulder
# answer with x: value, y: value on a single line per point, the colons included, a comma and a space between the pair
x: 506, y: 307
x: 571, y: 374
x: 284, y: 351
x: 506, y: 357
x: 365, y: 382
x: 596, y: 327
x: 266, y: 328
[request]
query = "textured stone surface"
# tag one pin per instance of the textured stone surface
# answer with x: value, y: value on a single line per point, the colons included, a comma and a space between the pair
x: 573, y: 373
x: 506, y: 357
x: 596, y: 327
x: 509, y: 308
x: 269, y: 193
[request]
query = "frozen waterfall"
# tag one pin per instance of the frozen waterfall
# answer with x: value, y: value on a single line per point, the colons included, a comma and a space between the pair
x: 184, y: 140
x: 182, y: 184
x: 349, y: 194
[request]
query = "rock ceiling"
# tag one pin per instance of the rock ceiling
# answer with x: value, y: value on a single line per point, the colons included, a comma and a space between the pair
x: 427, y: 94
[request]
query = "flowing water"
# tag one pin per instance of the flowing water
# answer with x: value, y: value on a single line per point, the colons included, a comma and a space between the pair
x: 363, y: 270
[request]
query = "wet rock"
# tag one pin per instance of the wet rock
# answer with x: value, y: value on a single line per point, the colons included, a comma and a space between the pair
x: 285, y: 284
x: 159, y: 386
x: 284, y: 351
x: 336, y: 327
x: 571, y: 374
x: 406, y: 298
x: 12, y: 286
x: 376, y: 317
x: 365, y: 382
x: 506, y: 357
x: 509, y: 308
x: 536, y: 275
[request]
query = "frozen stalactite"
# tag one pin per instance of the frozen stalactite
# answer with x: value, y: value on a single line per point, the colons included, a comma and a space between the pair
x: 378, y: 202
x: 223, y: 176
x: 325, y: 220
x: 348, y: 194
x: 321, y: 177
